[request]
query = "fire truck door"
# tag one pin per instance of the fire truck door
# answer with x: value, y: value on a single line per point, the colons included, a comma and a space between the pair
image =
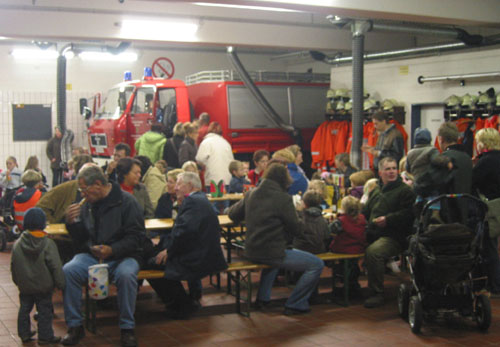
x: 142, y: 112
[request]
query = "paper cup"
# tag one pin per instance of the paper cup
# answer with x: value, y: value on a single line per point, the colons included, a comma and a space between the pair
x: 98, y: 281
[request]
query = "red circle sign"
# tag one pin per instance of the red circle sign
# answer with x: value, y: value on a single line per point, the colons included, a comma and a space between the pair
x: 163, y: 67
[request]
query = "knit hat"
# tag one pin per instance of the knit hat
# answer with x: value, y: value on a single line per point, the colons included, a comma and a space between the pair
x: 35, y: 219
x: 422, y: 136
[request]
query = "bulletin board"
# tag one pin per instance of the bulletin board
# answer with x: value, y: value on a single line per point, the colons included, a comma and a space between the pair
x: 32, y: 122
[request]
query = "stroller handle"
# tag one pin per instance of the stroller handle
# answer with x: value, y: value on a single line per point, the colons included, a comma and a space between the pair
x: 455, y: 196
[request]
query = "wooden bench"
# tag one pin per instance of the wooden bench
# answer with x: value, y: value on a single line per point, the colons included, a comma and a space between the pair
x: 242, y: 278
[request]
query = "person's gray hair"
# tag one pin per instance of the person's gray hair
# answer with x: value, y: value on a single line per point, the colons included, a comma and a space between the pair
x: 91, y: 175
x: 191, y: 178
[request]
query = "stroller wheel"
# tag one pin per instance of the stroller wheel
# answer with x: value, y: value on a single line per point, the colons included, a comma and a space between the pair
x: 415, y: 314
x: 403, y: 300
x: 482, y: 311
x: 3, y: 240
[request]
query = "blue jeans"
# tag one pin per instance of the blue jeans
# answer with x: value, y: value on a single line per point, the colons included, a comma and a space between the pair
x: 122, y: 272
x: 295, y: 260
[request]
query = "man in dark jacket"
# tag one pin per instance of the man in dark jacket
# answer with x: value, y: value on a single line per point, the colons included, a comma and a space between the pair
x: 462, y: 164
x: 121, y: 150
x: 390, y: 142
x: 108, y: 227
x: 192, y: 249
x: 390, y: 222
x: 53, y: 151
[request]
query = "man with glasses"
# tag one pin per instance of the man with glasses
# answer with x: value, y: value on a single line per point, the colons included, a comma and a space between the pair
x: 108, y: 227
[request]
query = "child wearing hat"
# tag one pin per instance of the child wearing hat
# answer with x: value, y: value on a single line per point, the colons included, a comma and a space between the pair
x: 36, y: 269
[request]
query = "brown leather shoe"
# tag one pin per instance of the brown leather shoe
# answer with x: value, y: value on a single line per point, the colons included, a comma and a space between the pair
x: 74, y: 335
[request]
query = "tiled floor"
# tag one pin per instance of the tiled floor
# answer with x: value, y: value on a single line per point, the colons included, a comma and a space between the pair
x: 216, y: 324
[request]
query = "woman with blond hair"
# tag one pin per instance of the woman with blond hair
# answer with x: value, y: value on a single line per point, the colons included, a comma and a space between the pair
x: 188, y: 148
x: 299, y: 184
x: 486, y: 180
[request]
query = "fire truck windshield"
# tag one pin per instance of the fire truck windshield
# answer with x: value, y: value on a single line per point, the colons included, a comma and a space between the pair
x: 115, y: 103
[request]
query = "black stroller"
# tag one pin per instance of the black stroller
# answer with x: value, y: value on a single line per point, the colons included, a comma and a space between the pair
x: 442, y: 256
x: 8, y: 229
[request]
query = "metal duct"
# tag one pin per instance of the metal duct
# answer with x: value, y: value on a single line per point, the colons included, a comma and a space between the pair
x: 61, y: 88
x: 422, y: 79
x: 358, y: 42
x: 268, y: 110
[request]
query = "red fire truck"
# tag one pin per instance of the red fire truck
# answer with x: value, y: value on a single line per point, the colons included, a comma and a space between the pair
x: 132, y: 106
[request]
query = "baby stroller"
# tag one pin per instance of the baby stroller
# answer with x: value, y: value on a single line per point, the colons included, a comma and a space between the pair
x: 442, y: 255
x: 8, y: 228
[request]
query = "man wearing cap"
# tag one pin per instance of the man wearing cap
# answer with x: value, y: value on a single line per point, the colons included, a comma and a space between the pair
x: 108, y: 227
x: 419, y: 158
x: 390, y: 142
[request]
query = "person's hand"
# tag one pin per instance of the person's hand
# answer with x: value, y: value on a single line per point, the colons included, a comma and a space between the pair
x: 72, y: 213
x: 52, y: 160
x: 101, y: 251
x: 366, y: 148
x: 380, y: 221
x: 161, y: 258
x: 111, y: 167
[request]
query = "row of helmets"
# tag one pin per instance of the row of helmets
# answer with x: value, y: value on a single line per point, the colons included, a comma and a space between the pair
x: 339, y: 100
x: 483, y: 99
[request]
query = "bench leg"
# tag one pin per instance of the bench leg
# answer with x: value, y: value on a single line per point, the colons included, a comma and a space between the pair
x: 90, y: 312
x: 347, y: 273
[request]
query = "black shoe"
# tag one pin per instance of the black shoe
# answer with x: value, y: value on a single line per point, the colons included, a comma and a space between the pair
x: 128, y: 338
x: 74, y: 335
x: 28, y: 338
x: 53, y: 339
x: 261, y: 305
x: 293, y: 311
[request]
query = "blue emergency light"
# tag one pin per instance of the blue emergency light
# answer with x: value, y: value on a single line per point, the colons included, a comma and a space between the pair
x: 148, y: 73
x: 127, y: 76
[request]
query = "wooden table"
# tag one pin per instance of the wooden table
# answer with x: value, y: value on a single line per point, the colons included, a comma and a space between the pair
x: 226, y: 197
x: 151, y: 225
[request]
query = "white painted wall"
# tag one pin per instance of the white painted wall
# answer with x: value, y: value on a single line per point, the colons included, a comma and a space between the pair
x: 34, y: 82
x: 384, y: 79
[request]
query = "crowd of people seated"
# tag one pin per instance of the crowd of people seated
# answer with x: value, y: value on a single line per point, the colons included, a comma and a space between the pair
x: 104, y: 211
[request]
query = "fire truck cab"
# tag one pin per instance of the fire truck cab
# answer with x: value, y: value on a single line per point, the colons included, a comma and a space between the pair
x: 131, y: 107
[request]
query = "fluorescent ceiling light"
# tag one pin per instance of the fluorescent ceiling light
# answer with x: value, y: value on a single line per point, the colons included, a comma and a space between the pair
x: 34, y: 54
x: 3, y: 38
x: 159, y: 30
x: 245, y: 7
x: 105, y: 56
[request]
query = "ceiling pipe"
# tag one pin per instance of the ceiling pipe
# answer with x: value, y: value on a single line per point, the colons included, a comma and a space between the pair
x: 453, y: 33
x: 417, y: 51
x: 422, y: 79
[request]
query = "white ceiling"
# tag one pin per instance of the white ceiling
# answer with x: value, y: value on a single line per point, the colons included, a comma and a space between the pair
x: 100, y: 21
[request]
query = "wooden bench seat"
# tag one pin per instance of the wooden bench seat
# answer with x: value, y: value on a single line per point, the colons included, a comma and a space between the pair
x: 242, y: 278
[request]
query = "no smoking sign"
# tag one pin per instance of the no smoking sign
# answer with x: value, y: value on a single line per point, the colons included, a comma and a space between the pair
x: 163, y: 68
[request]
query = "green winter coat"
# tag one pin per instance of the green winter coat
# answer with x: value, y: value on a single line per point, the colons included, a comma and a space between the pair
x: 151, y: 145
x: 35, y: 265
x: 395, y: 202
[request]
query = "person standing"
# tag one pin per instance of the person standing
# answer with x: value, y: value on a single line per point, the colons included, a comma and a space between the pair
x: 36, y: 270
x: 214, y: 155
x: 204, y: 121
x: 390, y: 142
x: 188, y: 148
x: 109, y: 228
x: 53, y: 151
x: 172, y: 145
x: 151, y: 143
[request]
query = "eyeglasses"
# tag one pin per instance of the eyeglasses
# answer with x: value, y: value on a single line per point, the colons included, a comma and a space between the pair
x: 84, y: 190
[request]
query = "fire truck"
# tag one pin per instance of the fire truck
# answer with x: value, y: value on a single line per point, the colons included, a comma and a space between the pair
x: 131, y: 107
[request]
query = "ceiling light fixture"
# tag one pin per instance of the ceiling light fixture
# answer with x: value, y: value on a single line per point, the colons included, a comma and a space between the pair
x: 105, y: 56
x: 246, y: 7
x: 159, y: 30
x: 34, y: 54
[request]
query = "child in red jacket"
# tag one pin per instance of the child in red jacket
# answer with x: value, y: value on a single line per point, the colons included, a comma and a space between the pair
x: 349, y: 229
